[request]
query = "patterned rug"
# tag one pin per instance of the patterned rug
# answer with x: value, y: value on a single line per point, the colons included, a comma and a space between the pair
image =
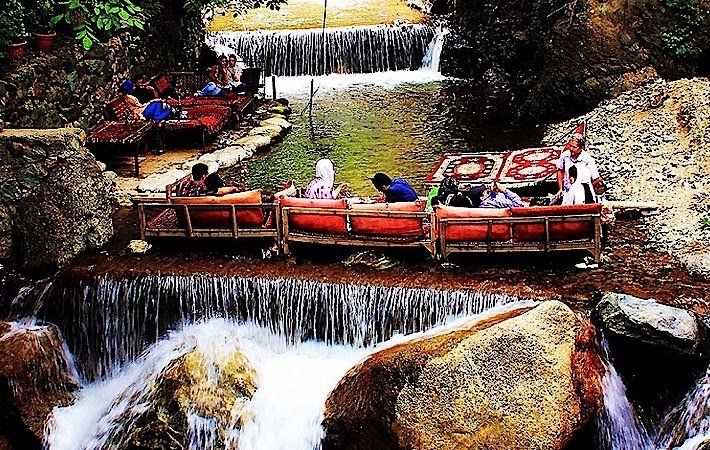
x: 518, y: 168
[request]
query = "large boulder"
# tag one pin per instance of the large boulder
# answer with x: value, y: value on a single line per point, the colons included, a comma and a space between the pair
x: 35, y: 376
x: 193, y: 388
x: 54, y: 201
x: 524, y: 379
x: 650, y: 322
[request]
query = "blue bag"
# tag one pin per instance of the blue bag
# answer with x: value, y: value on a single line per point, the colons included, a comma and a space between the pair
x: 157, y: 110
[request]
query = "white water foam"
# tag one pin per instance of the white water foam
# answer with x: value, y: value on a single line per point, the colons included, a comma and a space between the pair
x: 619, y: 427
x: 689, y: 422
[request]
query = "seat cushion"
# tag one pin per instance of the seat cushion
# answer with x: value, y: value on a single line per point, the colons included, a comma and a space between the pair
x: 388, y: 226
x: 321, y: 223
x: 559, y: 231
x: 474, y: 232
x: 219, y: 217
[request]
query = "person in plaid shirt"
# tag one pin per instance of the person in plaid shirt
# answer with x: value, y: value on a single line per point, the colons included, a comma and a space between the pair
x: 195, y: 185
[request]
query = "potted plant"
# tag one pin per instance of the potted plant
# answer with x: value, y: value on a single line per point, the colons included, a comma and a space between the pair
x: 12, y: 29
x: 40, y: 16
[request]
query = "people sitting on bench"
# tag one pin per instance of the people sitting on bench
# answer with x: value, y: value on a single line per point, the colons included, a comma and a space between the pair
x: 449, y: 194
x: 500, y: 197
x: 142, y: 89
x: 155, y: 109
x: 587, y: 173
x: 321, y: 187
x: 216, y: 186
x: 237, y: 66
x: 195, y: 185
x: 393, y: 190
x: 578, y: 193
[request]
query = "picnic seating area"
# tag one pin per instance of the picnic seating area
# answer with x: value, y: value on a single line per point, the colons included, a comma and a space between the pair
x: 441, y: 231
x: 193, y: 119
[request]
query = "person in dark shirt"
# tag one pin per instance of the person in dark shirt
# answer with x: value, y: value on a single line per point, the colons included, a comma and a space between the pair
x: 394, y: 190
x: 143, y: 90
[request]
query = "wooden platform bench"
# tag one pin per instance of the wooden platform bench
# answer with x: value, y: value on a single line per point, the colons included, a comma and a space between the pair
x: 207, y: 220
x: 185, y: 87
x: 122, y: 129
x: 530, y: 229
x: 206, y: 120
x: 334, y: 222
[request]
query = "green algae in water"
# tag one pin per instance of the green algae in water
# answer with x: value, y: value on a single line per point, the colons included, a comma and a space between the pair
x: 402, y: 131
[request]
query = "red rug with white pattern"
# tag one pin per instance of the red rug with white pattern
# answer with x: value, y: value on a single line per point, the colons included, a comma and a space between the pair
x: 517, y: 168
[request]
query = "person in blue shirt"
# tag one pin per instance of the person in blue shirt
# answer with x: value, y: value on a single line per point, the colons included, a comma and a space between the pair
x: 396, y: 190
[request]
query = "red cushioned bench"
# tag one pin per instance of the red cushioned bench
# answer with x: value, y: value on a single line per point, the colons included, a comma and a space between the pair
x: 234, y: 216
x: 536, y: 228
x: 333, y: 222
x: 206, y: 120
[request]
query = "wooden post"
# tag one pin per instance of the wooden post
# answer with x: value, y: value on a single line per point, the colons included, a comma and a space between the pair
x: 310, y: 104
x: 188, y: 220
x: 141, y: 215
x: 284, y: 227
x: 273, y: 87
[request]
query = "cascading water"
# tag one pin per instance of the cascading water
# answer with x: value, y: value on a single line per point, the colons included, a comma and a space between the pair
x: 293, y: 380
x: 619, y: 427
x: 109, y: 321
x: 687, y: 426
x: 350, y: 50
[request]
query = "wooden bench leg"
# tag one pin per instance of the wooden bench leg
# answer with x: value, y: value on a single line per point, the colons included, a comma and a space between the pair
x: 135, y: 159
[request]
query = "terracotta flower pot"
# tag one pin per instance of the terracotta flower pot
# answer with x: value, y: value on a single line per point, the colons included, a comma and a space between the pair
x: 43, y: 42
x: 16, y: 51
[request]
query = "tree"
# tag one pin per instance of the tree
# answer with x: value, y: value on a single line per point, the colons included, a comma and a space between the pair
x: 97, y: 20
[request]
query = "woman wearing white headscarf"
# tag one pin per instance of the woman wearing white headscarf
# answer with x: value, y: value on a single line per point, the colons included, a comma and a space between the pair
x: 322, y: 185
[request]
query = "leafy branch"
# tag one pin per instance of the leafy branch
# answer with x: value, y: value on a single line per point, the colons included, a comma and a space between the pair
x: 94, y: 19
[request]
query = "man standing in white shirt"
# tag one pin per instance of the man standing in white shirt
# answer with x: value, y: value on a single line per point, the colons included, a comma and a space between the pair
x: 575, y: 195
x: 574, y: 155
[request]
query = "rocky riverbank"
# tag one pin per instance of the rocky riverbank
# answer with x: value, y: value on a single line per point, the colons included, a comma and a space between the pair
x: 653, y: 144
x: 557, y: 58
x: 267, y: 126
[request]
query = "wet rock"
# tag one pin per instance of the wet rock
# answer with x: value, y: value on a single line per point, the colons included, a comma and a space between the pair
x: 190, y: 386
x: 35, y: 376
x: 57, y: 198
x: 275, y: 121
x: 523, y: 379
x: 157, y: 182
x: 650, y: 322
x: 283, y: 110
x: 138, y: 247
x: 257, y: 141
x: 271, y: 131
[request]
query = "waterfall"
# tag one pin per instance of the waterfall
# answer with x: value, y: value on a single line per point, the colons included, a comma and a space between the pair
x: 293, y: 380
x: 361, y: 49
x: 109, y: 321
x: 619, y: 427
x: 432, y: 58
x: 687, y: 425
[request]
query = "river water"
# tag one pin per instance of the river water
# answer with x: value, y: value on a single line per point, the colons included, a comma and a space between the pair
x: 401, y: 129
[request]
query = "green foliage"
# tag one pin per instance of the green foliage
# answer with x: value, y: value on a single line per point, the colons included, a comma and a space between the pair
x: 94, y: 20
x: 679, y: 37
x: 705, y: 223
x: 40, y: 14
x: 12, y: 23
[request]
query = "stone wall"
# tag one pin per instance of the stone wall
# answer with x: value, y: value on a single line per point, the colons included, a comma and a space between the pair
x: 65, y: 88
x: 70, y: 86
x: 54, y: 201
